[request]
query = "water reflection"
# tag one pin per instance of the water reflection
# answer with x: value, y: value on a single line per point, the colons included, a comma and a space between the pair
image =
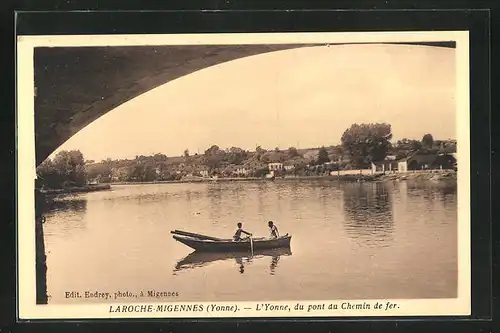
x: 355, y: 220
x: 65, y: 216
x: 214, y: 193
x: 429, y: 189
x: 368, y: 213
x: 242, y: 259
x: 67, y: 205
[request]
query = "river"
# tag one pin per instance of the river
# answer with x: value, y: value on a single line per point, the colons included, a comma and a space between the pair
x: 349, y: 241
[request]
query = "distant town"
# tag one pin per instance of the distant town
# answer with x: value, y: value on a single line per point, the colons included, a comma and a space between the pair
x: 365, y: 149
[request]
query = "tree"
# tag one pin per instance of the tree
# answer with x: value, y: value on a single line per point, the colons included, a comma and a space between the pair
x: 404, y: 147
x: 149, y: 173
x: 322, y: 156
x: 261, y: 172
x: 99, y: 170
x: 159, y: 157
x: 336, y: 153
x: 299, y: 167
x: 213, y: 157
x: 136, y: 172
x: 70, y: 165
x: 213, y: 150
x: 236, y: 155
x: 292, y: 152
x: 367, y: 143
x: 450, y: 146
x: 47, y: 175
x: 186, y: 153
x: 427, y: 141
x: 259, y: 152
x: 265, y: 158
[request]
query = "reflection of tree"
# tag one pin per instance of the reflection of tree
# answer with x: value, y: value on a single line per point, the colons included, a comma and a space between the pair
x: 432, y: 192
x: 368, y: 210
x: 65, y: 216
x: 41, y: 204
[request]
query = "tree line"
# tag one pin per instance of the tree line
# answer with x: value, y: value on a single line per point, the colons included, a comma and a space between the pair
x: 360, y: 145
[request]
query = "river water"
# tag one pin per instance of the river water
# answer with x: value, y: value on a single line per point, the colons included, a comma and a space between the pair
x: 349, y: 241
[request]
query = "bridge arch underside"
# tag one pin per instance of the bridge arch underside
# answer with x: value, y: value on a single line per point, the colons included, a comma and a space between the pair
x: 76, y: 85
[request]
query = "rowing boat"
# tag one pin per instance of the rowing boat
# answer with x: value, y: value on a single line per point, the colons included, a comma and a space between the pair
x: 212, y: 244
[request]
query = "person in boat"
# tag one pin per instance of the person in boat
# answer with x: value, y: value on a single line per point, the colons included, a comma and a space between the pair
x: 239, y: 231
x: 273, y: 230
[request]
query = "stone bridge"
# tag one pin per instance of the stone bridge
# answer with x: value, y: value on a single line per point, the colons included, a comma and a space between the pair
x: 75, y: 86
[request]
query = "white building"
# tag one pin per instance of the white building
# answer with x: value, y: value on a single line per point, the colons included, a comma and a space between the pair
x: 243, y: 171
x: 389, y: 164
x: 275, y: 166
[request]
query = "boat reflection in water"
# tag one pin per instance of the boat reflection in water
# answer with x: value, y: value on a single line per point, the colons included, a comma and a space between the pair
x: 201, y: 259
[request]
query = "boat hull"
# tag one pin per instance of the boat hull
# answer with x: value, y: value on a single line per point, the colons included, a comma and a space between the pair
x: 234, y: 246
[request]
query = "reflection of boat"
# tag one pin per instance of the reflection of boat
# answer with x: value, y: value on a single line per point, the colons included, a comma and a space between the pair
x: 200, y: 259
x: 211, y: 244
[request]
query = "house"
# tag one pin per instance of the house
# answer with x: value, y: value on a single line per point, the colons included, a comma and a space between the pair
x: 331, y: 166
x: 204, y: 173
x: 311, y: 155
x: 420, y: 161
x: 424, y: 161
x: 242, y: 171
x: 275, y: 166
x: 446, y: 161
x: 389, y: 164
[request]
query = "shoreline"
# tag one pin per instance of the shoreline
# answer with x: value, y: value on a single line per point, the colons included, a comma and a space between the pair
x: 416, y: 176
x: 433, y: 176
x: 79, y: 189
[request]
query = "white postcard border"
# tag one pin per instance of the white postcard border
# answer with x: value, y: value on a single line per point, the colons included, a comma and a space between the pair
x: 26, y: 174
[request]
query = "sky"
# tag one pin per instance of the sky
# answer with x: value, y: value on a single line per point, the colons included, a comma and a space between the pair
x: 304, y: 97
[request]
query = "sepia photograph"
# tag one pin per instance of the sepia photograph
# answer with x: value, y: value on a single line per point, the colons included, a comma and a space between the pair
x: 244, y: 175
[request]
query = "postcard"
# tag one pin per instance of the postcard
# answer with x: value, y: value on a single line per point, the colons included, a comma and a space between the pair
x: 243, y: 175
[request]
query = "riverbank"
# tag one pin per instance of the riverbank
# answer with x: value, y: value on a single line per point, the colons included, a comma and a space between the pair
x: 80, y: 189
x: 412, y: 176
x: 257, y: 179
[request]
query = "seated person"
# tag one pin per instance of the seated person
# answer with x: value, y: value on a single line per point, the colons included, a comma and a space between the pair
x: 273, y: 230
x: 239, y: 231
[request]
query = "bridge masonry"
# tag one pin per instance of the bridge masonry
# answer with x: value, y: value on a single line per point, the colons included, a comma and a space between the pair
x: 75, y: 86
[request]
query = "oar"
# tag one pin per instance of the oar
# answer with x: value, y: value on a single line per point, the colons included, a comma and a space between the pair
x: 191, y: 234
